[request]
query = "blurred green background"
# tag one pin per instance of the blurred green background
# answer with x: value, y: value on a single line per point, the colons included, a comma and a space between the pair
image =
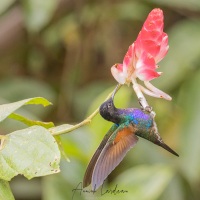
x: 63, y: 50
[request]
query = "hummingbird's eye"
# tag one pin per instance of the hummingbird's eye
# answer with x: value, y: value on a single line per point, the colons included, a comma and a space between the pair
x: 109, y: 105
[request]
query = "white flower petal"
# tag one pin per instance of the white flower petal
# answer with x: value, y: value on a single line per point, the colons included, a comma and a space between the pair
x: 118, y: 75
x: 157, y: 91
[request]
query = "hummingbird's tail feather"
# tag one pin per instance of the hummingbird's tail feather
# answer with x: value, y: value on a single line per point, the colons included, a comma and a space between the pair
x: 166, y: 147
x: 158, y: 140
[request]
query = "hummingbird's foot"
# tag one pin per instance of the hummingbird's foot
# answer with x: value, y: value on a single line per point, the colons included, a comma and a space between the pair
x: 147, y: 108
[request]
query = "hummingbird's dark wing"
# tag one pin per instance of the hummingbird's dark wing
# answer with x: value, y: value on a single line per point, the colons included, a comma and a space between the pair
x: 88, y: 174
x: 115, y: 149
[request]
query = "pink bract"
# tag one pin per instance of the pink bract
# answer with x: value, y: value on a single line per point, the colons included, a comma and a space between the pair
x: 143, y: 55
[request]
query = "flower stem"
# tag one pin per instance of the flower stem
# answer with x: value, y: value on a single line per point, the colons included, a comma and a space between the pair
x: 141, y: 98
x: 68, y: 128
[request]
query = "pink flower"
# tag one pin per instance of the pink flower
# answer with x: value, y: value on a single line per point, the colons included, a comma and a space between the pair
x: 142, y: 57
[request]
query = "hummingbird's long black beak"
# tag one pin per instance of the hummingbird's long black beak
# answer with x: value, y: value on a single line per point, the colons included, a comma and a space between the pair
x: 166, y: 147
x: 114, y: 92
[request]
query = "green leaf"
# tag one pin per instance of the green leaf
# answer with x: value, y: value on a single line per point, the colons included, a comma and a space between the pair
x: 31, y: 152
x: 7, y: 109
x: 5, y: 191
x: 38, y: 100
x: 30, y: 122
x: 59, y: 142
x: 38, y: 13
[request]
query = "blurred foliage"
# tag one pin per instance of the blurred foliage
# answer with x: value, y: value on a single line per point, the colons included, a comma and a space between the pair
x: 63, y: 50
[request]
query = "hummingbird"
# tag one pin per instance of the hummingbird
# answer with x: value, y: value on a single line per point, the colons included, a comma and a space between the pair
x: 129, y: 124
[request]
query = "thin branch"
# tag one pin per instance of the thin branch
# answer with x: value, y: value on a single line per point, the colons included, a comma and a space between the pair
x: 84, y: 122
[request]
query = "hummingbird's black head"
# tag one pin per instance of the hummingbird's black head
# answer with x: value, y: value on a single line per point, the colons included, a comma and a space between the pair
x: 108, y: 110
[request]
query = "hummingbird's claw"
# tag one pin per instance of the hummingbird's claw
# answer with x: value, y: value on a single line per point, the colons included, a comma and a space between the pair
x: 147, y: 108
